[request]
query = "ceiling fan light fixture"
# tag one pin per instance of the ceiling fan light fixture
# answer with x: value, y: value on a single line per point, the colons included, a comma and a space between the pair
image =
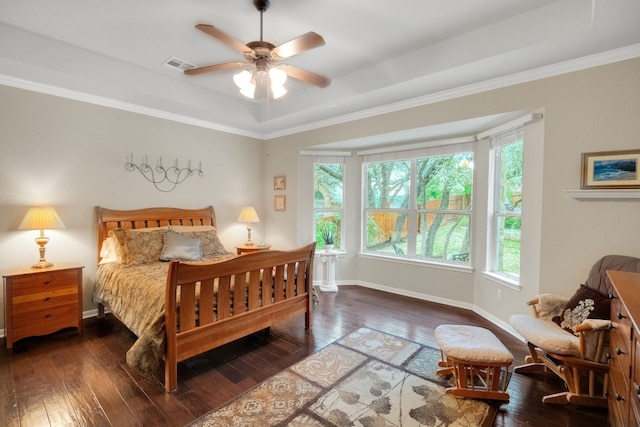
x: 243, y: 78
x: 277, y: 76
x: 249, y: 90
x: 246, y: 83
x: 277, y: 91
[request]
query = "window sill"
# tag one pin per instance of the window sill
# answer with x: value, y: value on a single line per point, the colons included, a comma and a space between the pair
x: 502, y: 280
x: 411, y: 261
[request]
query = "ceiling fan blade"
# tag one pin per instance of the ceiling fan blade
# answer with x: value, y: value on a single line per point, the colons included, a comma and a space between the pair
x: 305, y: 76
x: 216, y: 67
x: 223, y: 37
x: 298, y: 45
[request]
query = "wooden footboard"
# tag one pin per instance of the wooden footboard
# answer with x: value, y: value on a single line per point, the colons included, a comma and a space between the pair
x: 202, y: 310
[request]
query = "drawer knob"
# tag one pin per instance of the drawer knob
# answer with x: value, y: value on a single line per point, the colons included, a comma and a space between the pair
x: 619, y: 398
x: 638, y: 390
x: 609, y: 356
x: 621, y: 316
x: 46, y: 316
x: 46, y: 282
x: 47, y: 299
x: 619, y: 352
x: 611, y: 296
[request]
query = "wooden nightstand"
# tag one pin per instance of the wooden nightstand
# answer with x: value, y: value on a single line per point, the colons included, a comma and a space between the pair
x: 41, y: 301
x: 247, y: 249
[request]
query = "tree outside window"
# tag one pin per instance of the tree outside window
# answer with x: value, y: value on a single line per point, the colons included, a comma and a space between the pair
x: 508, y: 151
x: 420, y: 208
x: 328, y: 206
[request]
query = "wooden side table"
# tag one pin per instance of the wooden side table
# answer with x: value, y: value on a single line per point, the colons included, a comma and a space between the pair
x: 247, y: 249
x: 39, y: 301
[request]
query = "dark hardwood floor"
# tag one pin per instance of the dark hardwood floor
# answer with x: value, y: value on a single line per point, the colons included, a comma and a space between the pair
x: 70, y: 379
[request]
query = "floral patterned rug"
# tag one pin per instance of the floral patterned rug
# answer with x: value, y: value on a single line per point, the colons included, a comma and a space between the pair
x: 367, y: 378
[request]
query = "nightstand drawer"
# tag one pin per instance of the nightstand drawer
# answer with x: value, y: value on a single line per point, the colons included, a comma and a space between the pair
x: 45, y: 316
x: 44, y: 300
x: 30, y: 284
x: 46, y: 321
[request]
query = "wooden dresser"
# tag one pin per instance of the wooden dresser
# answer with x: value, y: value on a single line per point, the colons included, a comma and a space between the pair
x: 624, y: 350
x: 42, y: 301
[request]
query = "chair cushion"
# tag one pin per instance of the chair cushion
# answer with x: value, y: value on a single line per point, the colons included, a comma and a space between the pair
x: 585, y: 304
x: 471, y: 344
x: 546, y: 335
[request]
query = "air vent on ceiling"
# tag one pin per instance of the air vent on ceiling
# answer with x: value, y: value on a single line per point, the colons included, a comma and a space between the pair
x: 179, y: 64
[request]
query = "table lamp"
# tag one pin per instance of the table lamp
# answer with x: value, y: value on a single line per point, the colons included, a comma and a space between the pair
x: 41, y: 218
x: 248, y: 215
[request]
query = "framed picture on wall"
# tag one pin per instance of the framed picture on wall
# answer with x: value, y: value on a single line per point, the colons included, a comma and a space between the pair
x: 280, y: 203
x: 280, y: 182
x: 610, y: 170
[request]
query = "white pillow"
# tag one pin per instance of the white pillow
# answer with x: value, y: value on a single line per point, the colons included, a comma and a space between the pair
x: 108, y: 251
x: 180, y: 247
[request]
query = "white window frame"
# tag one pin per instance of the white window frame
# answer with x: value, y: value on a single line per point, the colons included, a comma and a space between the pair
x: 496, y: 213
x: 333, y: 160
x: 412, y: 211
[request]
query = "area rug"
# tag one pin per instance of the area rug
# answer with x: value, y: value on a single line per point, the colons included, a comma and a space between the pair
x: 368, y: 378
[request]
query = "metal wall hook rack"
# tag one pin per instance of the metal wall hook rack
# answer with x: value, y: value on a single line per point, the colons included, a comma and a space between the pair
x: 171, y: 176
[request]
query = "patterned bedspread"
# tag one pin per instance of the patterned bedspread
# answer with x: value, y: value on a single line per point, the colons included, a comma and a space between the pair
x: 136, y: 295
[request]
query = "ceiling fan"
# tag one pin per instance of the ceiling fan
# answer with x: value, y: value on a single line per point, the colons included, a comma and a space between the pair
x: 266, y: 57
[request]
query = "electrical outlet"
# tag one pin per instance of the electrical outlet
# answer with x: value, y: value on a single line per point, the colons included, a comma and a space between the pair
x: 499, y: 295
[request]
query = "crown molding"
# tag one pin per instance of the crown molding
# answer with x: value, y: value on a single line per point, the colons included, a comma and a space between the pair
x: 604, y: 58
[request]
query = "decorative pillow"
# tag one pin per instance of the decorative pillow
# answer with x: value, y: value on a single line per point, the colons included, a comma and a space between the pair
x: 585, y: 304
x: 139, y: 247
x: 211, y: 245
x: 180, y: 247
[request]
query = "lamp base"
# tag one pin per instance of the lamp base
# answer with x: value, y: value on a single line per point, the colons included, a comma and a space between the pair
x: 249, y: 243
x: 42, y: 264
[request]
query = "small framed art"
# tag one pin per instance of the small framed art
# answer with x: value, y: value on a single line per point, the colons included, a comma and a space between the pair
x: 280, y: 203
x: 610, y: 170
x: 280, y: 182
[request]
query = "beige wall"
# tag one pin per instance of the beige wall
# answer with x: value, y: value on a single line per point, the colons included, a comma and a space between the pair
x: 590, y: 110
x: 71, y: 154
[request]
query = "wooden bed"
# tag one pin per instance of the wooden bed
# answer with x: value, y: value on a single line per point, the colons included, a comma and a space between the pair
x: 199, y: 309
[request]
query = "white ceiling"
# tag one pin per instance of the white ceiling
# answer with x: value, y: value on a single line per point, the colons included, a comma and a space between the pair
x: 380, y: 55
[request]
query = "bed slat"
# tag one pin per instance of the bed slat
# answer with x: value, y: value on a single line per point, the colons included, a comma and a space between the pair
x: 187, y: 307
x: 278, y: 287
x: 254, y: 289
x: 266, y: 290
x: 239, y: 292
x: 224, y: 297
x: 291, y: 280
x: 205, y: 312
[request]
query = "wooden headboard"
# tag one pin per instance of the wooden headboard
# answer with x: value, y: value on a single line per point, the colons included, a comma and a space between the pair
x: 109, y: 219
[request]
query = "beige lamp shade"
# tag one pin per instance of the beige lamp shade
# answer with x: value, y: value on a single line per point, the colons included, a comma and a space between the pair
x: 41, y: 218
x: 249, y: 215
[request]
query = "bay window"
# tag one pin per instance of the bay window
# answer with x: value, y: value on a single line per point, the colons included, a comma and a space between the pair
x: 420, y: 207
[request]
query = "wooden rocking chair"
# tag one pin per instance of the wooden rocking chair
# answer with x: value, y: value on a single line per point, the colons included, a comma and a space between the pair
x: 579, y: 358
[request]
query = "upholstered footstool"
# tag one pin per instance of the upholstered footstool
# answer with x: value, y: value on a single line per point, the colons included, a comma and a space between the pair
x: 477, y: 359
